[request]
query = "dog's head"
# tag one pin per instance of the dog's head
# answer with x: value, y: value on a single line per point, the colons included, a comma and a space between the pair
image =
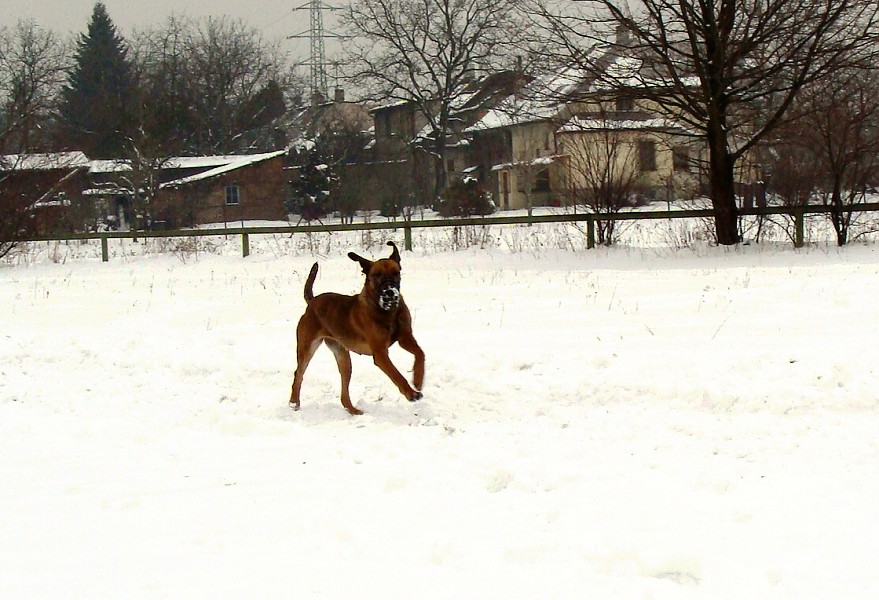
x: 382, y: 278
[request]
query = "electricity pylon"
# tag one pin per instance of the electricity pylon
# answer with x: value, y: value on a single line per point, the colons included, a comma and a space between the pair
x: 316, y: 35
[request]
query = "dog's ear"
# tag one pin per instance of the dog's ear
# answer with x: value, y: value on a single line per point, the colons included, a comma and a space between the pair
x: 395, y: 255
x: 365, y: 264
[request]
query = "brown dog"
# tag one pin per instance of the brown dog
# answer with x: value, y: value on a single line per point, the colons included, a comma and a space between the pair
x: 368, y: 323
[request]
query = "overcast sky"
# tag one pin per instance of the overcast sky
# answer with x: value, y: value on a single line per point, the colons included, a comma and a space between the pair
x: 275, y: 18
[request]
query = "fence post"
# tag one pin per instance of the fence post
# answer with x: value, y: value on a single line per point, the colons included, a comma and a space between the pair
x: 407, y: 237
x: 590, y: 231
x: 799, y: 227
x: 245, y: 245
x: 105, y: 251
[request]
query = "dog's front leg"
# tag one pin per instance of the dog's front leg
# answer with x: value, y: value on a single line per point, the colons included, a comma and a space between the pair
x: 383, y: 361
x: 407, y: 342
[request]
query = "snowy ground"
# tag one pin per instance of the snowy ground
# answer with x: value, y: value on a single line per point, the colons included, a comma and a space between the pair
x: 619, y: 423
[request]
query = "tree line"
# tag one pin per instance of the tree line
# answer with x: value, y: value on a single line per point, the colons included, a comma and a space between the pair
x: 791, y: 81
x: 193, y: 87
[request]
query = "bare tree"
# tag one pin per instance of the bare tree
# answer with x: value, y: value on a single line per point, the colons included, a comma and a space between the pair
x: 32, y: 70
x: 728, y: 68
x: 213, y: 86
x: 164, y: 75
x: 31, y: 74
x: 841, y: 129
x: 231, y: 64
x: 428, y: 52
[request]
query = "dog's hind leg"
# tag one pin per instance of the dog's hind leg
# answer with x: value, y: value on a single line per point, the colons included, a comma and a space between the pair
x: 343, y: 360
x: 304, y: 352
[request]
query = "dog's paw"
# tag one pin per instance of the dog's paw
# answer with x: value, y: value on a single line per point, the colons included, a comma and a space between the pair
x: 416, y: 396
x: 294, y: 406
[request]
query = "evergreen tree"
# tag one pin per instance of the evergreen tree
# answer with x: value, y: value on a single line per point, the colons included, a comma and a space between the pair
x: 312, y: 189
x: 98, y: 100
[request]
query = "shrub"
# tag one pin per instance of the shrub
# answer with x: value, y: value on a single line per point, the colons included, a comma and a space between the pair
x: 465, y: 198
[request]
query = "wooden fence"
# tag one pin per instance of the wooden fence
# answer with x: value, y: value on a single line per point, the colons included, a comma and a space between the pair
x: 797, y: 213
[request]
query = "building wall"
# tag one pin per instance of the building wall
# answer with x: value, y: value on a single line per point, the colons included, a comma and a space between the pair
x: 672, y: 172
x: 532, y: 172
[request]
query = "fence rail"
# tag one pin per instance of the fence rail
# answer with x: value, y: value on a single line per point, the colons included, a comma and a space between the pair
x: 797, y: 213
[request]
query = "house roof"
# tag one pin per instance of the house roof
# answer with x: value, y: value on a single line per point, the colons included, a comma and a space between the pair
x: 542, y: 99
x: 116, y: 165
x: 607, y: 68
x: 212, y: 166
x: 235, y: 163
x: 43, y: 162
x: 471, y: 96
x: 396, y: 103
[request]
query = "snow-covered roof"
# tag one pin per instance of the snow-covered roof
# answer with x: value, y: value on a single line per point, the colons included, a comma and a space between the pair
x: 212, y: 165
x: 546, y: 96
x: 176, y: 162
x: 389, y: 104
x: 43, y: 162
x: 540, y: 161
x: 236, y: 162
x: 578, y: 124
x: 542, y: 99
x: 112, y: 165
x: 632, y: 72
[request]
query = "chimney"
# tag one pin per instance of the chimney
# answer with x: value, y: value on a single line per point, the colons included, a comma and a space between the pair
x: 338, y: 95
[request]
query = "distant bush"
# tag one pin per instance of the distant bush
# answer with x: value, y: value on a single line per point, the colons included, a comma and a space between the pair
x: 390, y: 208
x: 465, y: 198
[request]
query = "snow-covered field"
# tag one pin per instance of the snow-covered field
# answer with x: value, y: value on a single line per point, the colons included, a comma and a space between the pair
x: 620, y: 423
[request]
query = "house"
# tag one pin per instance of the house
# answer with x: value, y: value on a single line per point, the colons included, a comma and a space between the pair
x: 404, y: 165
x: 40, y: 193
x: 515, y: 150
x: 399, y: 170
x: 186, y: 191
x: 566, y: 136
x: 246, y: 188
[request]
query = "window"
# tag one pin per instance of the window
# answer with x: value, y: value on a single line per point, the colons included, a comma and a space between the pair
x: 233, y: 196
x: 625, y: 104
x: 541, y: 181
x: 681, y: 158
x: 647, y: 155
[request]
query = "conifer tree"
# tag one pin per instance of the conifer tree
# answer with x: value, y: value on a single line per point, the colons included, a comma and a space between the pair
x: 98, y: 100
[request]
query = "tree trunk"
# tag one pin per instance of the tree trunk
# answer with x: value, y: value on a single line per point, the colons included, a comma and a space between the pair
x: 440, y: 182
x: 440, y: 176
x: 722, y: 187
x: 840, y: 223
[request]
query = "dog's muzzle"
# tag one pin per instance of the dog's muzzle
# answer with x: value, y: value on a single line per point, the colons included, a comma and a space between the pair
x: 389, y: 297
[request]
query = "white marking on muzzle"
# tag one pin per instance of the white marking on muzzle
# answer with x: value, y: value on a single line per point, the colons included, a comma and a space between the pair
x: 389, y: 298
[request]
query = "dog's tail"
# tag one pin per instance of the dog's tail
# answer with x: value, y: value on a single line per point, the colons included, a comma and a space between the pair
x: 309, y: 284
